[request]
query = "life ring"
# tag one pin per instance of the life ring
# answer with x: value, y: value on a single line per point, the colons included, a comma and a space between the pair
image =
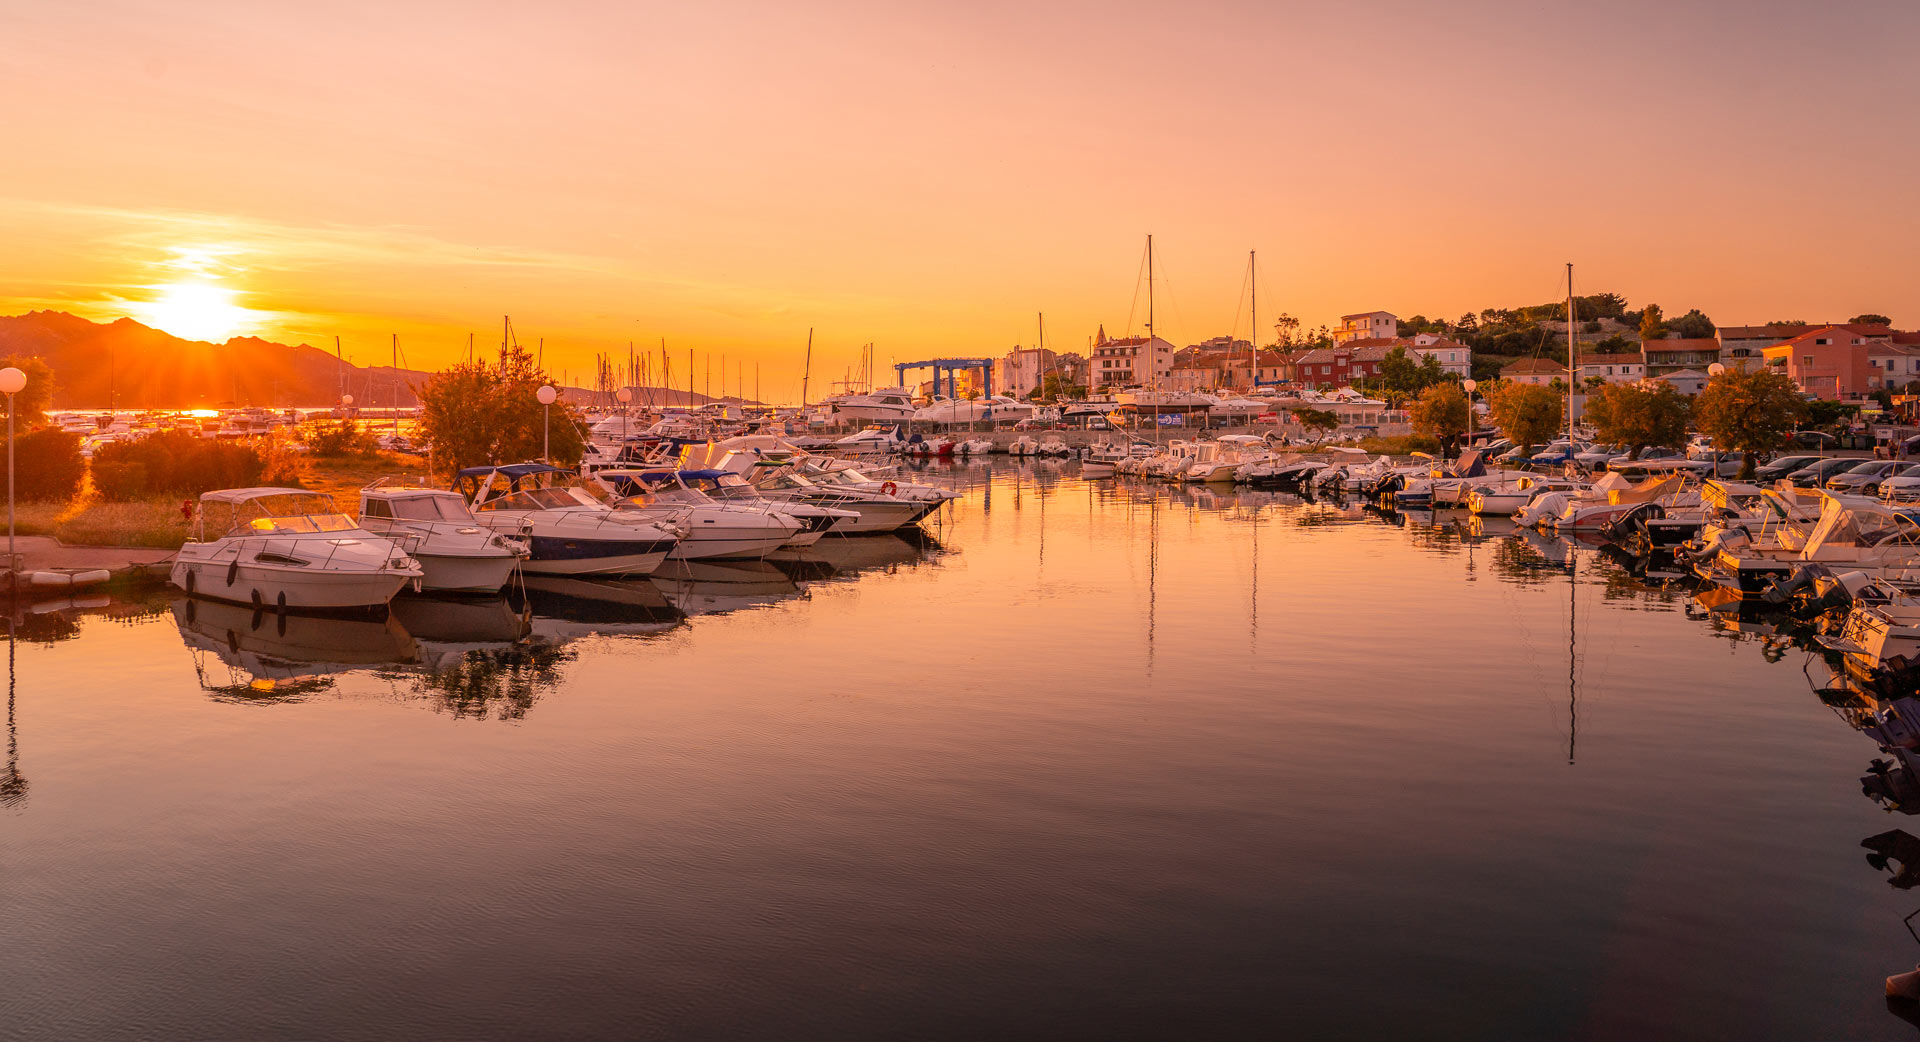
x: 888, y: 488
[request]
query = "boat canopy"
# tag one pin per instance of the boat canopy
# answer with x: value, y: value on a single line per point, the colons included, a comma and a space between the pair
x: 246, y: 495
x: 512, y: 470
x: 1860, y: 521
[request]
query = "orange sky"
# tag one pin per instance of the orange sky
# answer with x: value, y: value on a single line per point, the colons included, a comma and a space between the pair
x: 726, y: 175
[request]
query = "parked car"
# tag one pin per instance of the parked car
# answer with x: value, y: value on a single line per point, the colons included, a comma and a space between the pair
x: 1813, y: 440
x: 1902, y: 488
x: 1596, y: 457
x: 1781, y: 466
x: 1816, y: 474
x: 1865, y: 479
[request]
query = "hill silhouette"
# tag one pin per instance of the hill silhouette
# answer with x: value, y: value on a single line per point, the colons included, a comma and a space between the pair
x: 138, y: 367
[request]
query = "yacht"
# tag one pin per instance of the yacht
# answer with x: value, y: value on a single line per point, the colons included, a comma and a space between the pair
x: 714, y: 530
x: 288, y: 549
x: 886, y: 405
x: 720, y: 485
x: 568, y: 531
x: 997, y: 408
x: 457, y: 554
x: 878, y: 438
x: 876, y: 510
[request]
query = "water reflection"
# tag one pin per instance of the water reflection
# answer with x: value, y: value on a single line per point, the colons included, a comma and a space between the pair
x: 286, y: 657
x: 704, y: 587
x: 572, y: 608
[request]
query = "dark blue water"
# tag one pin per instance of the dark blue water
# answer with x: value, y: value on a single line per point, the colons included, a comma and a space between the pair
x: 1086, y: 762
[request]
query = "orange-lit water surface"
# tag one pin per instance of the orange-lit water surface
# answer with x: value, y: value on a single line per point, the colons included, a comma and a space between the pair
x: 1092, y: 761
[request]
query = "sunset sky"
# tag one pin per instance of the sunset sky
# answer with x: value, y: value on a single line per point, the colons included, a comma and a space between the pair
x: 726, y: 175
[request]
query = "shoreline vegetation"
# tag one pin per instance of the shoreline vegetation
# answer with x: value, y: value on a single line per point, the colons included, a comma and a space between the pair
x: 158, y: 521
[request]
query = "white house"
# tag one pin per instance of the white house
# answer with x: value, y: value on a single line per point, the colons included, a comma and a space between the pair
x: 1453, y: 356
x: 1367, y: 326
x: 1614, y: 369
x: 1129, y: 361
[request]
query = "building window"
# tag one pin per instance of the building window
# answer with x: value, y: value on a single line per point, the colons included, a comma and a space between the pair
x: 1806, y: 360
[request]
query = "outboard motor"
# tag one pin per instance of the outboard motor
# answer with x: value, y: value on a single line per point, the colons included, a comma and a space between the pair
x: 1632, y: 521
x: 1783, y: 590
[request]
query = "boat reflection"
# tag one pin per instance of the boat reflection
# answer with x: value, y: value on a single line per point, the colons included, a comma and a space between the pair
x: 272, y: 657
x: 565, y: 608
x: 852, y: 555
x: 706, y: 587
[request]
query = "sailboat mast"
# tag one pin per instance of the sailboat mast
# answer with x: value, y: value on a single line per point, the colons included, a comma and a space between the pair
x: 393, y: 396
x: 807, y: 373
x: 1570, y: 365
x: 1253, y: 320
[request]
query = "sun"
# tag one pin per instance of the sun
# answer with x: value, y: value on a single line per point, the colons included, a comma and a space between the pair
x: 197, y: 311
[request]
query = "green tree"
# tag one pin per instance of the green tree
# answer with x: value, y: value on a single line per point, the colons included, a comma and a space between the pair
x: 1527, y: 413
x: 36, y: 398
x: 1748, y: 412
x: 1870, y: 319
x: 1826, y: 415
x: 1441, y: 411
x: 1653, y: 325
x: 482, y: 412
x: 1693, y: 325
x: 1640, y: 415
x: 1317, y: 419
x: 1054, y: 387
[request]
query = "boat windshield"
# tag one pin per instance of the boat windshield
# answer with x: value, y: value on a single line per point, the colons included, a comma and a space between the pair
x: 304, y: 524
x: 540, y: 499
x: 432, y: 508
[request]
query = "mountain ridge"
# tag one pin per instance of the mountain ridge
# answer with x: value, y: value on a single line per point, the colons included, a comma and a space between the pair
x: 135, y: 366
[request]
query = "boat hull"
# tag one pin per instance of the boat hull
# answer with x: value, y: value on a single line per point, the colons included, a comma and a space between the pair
x: 295, y: 589
x: 465, y: 573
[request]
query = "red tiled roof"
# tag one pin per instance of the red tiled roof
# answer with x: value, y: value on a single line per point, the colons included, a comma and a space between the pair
x: 1781, y: 332
x: 1681, y: 344
x: 1527, y: 366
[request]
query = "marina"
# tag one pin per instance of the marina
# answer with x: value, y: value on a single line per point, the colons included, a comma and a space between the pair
x: 1255, y: 753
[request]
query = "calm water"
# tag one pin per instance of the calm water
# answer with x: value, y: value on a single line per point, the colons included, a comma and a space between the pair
x: 1091, y: 762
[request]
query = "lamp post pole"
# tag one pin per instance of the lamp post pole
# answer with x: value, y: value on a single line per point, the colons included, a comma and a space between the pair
x: 12, y: 382
x: 546, y: 394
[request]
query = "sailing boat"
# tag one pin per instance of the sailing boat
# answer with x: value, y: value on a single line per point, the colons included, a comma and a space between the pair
x: 1152, y: 401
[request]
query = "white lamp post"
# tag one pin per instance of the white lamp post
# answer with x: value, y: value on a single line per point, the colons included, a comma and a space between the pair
x: 1470, y: 385
x: 12, y: 382
x: 625, y: 395
x: 546, y: 394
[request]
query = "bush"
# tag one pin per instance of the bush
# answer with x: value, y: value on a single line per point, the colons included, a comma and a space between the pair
x: 50, y: 465
x: 174, y: 463
x: 339, y: 439
x: 120, y: 482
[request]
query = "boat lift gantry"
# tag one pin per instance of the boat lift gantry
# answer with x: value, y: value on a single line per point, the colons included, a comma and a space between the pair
x: 947, y: 367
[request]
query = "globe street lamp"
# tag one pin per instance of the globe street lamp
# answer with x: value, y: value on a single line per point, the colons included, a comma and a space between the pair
x: 546, y: 394
x: 624, y: 395
x: 1470, y: 385
x: 12, y: 382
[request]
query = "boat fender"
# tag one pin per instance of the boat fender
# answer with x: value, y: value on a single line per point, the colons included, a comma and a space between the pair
x: 280, y: 604
x: 233, y: 570
x: 191, y: 573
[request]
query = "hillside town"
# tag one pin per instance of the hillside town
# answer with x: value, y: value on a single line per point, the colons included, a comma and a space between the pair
x: 1854, y: 363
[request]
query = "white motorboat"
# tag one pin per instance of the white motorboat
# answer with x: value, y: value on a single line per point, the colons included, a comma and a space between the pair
x: 569, y: 531
x: 886, y: 405
x: 815, y: 521
x: 714, y: 530
x: 288, y: 549
x: 872, y: 439
x: 877, y: 510
x: 457, y: 554
x: 996, y: 408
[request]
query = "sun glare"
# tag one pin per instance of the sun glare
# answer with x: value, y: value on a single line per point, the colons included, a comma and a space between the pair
x: 197, y: 311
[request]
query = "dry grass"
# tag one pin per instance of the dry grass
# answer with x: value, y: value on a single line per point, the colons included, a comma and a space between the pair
x: 92, y: 521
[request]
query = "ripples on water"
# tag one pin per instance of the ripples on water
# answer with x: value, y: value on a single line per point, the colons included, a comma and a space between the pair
x: 1089, y: 760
